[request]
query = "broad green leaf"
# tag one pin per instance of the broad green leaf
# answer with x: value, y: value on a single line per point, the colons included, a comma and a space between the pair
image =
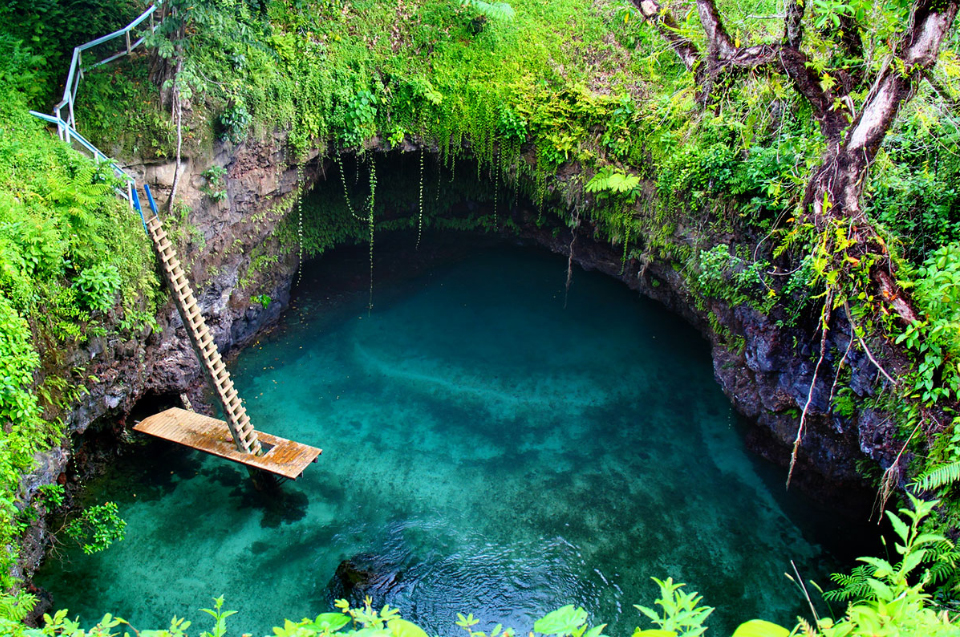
x: 760, y: 628
x: 649, y: 612
x: 911, y: 561
x: 596, y: 631
x: 403, y: 628
x: 899, y: 526
x: 561, y: 621
x: 883, y: 592
x: 329, y: 621
x: 654, y: 633
x: 883, y: 567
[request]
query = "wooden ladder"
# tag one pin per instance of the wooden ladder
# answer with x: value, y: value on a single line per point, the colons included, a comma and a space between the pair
x: 244, y: 435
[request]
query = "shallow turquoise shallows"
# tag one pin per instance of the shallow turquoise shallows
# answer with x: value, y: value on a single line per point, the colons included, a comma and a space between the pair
x: 485, y: 450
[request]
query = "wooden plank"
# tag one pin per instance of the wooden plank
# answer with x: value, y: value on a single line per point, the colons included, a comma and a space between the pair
x: 285, y: 457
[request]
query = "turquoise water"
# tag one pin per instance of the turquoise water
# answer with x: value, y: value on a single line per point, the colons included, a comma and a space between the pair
x: 486, y: 450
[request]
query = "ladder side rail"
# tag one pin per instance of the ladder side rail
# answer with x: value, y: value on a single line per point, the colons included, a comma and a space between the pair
x: 235, y: 414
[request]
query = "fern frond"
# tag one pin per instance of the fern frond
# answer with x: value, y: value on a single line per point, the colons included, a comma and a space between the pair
x: 492, y: 10
x: 942, y: 476
x: 17, y: 606
x: 851, y: 587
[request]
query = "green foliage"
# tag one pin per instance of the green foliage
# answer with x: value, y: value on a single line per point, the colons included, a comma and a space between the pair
x: 609, y: 181
x: 220, y: 618
x: 492, y: 10
x: 97, y: 527
x: 936, y: 338
x: 15, y: 607
x: 234, y: 122
x: 214, y: 188
x: 51, y: 29
x: 263, y: 299
x: 939, y: 477
x: 98, y: 286
x: 52, y: 495
x: 143, y: 131
x: 680, y: 612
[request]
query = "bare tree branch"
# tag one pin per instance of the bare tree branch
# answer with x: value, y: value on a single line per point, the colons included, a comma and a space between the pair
x: 720, y: 43
x: 667, y: 25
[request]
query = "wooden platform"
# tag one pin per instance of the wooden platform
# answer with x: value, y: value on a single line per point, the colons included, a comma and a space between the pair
x: 283, y: 457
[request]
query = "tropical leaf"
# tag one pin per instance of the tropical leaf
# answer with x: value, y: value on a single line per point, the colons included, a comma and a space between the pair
x: 562, y: 621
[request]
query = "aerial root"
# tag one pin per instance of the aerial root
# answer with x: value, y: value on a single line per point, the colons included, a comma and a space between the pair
x: 824, y: 323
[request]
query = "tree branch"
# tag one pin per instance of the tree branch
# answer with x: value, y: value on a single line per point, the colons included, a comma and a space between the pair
x: 793, y: 24
x: 720, y: 42
x: 917, y: 53
x: 669, y: 30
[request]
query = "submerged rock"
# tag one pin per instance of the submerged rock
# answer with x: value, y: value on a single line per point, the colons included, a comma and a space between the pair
x: 361, y: 575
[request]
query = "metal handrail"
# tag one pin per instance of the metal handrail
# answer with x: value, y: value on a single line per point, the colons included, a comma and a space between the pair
x: 98, y: 155
x: 67, y: 128
x: 77, y: 69
x: 130, y: 183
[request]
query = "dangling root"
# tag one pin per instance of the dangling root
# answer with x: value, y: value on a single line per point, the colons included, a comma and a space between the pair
x: 866, y: 350
x: 178, y: 106
x: 891, y: 477
x: 573, y: 239
x: 824, y: 323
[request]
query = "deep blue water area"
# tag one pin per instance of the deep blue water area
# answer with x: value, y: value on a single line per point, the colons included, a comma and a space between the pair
x: 485, y: 450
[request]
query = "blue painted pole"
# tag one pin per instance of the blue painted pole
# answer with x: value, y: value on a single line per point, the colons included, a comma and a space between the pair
x: 153, y: 204
x: 136, y: 205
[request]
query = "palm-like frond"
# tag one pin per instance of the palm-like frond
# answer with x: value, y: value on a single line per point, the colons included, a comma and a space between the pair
x: 940, y: 477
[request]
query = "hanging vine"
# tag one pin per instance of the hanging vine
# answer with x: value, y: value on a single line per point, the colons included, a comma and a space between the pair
x: 300, y: 181
x: 370, y: 205
x: 420, y: 210
x: 343, y: 180
x: 496, y: 187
